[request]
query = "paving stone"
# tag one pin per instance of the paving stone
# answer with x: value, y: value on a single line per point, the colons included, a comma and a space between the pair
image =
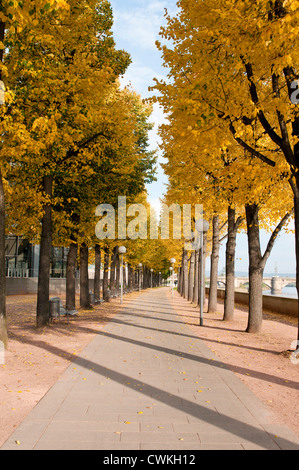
x: 146, y: 382
x: 158, y: 437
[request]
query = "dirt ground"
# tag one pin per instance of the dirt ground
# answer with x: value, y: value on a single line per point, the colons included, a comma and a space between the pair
x: 262, y: 361
x: 35, y: 359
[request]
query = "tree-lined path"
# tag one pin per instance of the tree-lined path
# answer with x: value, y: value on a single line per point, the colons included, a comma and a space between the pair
x: 147, y: 382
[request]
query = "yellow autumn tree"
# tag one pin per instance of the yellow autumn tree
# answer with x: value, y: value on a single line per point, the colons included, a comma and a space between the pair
x: 14, y: 16
x: 118, y: 168
x: 63, y: 77
x: 214, y: 100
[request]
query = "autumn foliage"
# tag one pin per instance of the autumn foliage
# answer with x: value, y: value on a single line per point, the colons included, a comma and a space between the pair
x: 231, y: 140
x: 73, y: 138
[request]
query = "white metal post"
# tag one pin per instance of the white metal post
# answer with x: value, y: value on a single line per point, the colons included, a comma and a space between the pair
x: 173, y: 261
x: 201, y: 280
x: 121, y: 279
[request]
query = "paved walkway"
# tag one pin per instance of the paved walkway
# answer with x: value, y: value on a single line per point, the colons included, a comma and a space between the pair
x: 128, y: 391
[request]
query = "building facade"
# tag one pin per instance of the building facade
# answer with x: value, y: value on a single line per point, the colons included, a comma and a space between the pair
x: 22, y: 259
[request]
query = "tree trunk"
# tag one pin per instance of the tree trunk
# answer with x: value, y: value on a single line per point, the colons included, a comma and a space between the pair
x: 145, y: 278
x: 106, y: 295
x: 229, y: 300
x: 182, y: 274
x: 291, y: 155
x: 196, y: 279
x: 84, y: 281
x: 255, y: 314
x: 185, y: 269
x: 71, y: 277
x: 97, y: 273
x: 112, y: 271
x: 43, y: 291
x: 214, y: 266
x: 124, y: 278
x: 296, y: 205
x: 2, y: 34
x: 257, y: 264
x: 179, y: 279
x: 3, y: 325
x: 191, y: 277
x: 130, y: 278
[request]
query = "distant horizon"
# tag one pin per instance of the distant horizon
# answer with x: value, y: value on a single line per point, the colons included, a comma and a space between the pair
x: 245, y: 274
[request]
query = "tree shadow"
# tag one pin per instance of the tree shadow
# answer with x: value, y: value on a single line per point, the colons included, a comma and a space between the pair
x: 227, y: 423
x: 200, y: 359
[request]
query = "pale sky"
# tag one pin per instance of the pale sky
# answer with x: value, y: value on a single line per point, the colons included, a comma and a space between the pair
x: 136, y: 28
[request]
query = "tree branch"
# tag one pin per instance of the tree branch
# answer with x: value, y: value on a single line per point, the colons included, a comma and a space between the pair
x: 249, y: 149
x: 273, y: 237
x: 262, y: 118
x: 282, y: 123
x: 2, y: 35
x: 223, y: 225
x: 74, y: 153
x: 223, y: 238
x: 239, y: 221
